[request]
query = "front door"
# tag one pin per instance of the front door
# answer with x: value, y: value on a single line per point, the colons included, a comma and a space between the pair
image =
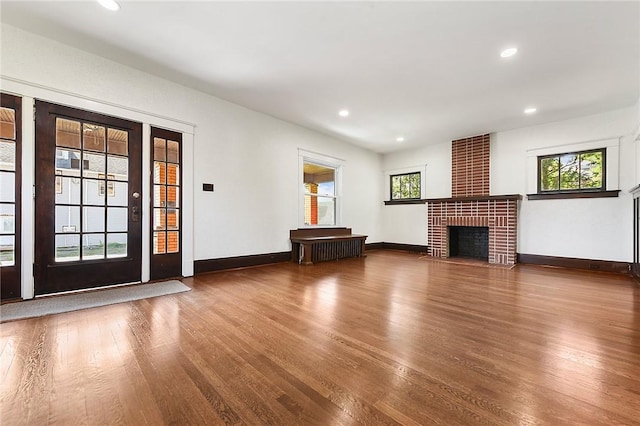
x: 88, y: 199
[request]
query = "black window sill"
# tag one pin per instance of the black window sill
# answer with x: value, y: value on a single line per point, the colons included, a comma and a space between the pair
x: 577, y: 194
x: 400, y: 202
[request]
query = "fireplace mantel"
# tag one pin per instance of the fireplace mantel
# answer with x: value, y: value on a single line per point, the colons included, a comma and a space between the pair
x: 513, y: 197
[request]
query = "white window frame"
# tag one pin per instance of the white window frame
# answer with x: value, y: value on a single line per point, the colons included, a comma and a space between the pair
x: 337, y: 164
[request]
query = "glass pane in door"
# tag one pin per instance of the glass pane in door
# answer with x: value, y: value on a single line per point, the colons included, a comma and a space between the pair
x: 92, y: 246
x: 7, y: 250
x: 117, y: 142
x: 7, y: 234
x: 67, y: 133
x: 67, y: 248
x: 7, y: 187
x: 116, y: 245
x: 7, y: 155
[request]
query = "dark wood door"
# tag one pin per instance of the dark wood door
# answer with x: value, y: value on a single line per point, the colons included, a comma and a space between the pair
x: 88, y: 199
x: 166, y: 226
x: 10, y: 155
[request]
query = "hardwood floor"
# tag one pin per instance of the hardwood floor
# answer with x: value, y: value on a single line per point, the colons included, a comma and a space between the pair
x: 389, y: 339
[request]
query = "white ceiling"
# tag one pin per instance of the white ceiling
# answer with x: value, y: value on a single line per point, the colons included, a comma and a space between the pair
x: 429, y: 71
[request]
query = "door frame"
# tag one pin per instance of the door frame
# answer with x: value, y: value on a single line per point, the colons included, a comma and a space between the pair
x: 30, y: 91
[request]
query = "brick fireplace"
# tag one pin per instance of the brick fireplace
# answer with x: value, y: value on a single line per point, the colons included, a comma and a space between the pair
x: 472, y: 206
x: 498, y: 213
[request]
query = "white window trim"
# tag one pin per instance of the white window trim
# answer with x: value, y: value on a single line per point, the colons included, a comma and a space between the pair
x: 612, y: 146
x: 322, y: 160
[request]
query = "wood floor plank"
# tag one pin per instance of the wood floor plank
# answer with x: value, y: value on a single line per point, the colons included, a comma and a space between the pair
x: 393, y: 338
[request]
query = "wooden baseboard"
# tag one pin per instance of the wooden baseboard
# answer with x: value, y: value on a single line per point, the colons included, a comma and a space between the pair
x: 397, y: 246
x: 210, y: 265
x: 374, y: 246
x: 635, y: 271
x: 575, y: 263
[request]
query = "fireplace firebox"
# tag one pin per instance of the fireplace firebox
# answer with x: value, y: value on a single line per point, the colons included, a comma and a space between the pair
x: 469, y: 241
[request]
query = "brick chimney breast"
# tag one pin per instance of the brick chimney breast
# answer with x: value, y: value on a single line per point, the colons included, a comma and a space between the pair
x: 470, y: 166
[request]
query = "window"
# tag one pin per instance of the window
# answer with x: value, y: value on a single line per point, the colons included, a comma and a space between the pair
x: 319, y: 190
x: 319, y: 194
x: 578, y: 170
x: 405, y: 186
x: 572, y: 172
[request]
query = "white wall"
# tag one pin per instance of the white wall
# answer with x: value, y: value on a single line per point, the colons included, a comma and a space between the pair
x: 583, y: 228
x: 253, y: 162
x: 637, y: 144
x: 407, y: 224
x: 597, y: 228
x: 251, y: 158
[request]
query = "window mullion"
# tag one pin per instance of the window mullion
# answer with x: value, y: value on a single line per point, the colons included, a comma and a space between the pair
x: 559, y: 173
x: 579, y: 171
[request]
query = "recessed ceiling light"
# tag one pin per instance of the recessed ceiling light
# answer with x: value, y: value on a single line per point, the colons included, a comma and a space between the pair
x: 400, y: 139
x: 343, y: 113
x: 509, y: 52
x: 109, y: 4
x: 530, y: 110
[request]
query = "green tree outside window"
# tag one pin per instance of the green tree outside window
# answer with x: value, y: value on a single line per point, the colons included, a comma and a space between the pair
x: 572, y: 171
x: 405, y: 186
